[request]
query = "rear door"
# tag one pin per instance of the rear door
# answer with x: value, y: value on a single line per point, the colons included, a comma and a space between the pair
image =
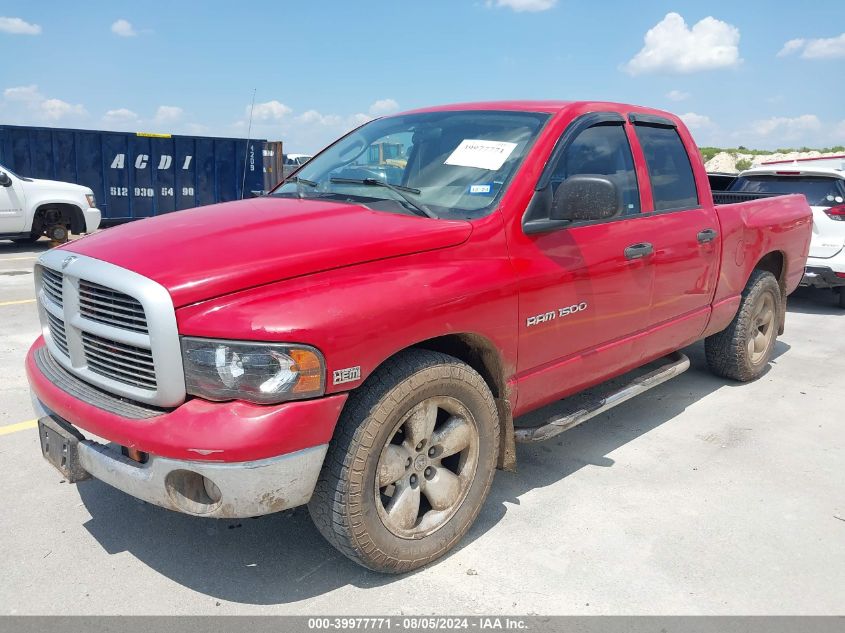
x: 684, y: 233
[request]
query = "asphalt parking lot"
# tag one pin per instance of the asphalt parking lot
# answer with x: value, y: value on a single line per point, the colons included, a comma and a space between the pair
x: 699, y: 497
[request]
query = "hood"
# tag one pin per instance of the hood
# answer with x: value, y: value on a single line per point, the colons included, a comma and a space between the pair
x: 56, y: 185
x: 215, y: 250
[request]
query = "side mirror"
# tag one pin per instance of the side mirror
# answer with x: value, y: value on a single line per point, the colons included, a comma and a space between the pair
x: 5, y: 179
x: 586, y: 197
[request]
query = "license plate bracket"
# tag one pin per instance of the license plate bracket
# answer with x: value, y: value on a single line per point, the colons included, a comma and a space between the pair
x: 60, y: 447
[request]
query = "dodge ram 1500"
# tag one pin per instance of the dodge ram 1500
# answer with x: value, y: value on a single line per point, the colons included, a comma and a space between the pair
x: 364, y: 346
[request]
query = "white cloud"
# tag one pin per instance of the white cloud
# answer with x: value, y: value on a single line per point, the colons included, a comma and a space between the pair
x: 16, y: 26
x: 357, y: 120
x: 522, y: 5
x: 168, y: 114
x: 792, y: 46
x: 27, y: 105
x: 313, y: 117
x: 123, y: 28
x: 786, y: 128
x: 383, y: 106
x: 120, y: 116
x: 269, y: 111
x: 671, y: 46
x: 58, y: 110
x: 820, y: 48
x: 23, y: 93
x: 696, y: 121
x: 677, y: 95
x: 309, y: 130
x: 839, y: 131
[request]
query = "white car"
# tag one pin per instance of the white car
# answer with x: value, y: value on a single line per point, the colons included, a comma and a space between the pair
x: 292, y: 162
x: 30, y: 208
x: 822, y: 181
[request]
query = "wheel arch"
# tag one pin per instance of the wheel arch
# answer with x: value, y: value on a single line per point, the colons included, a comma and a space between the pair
x: 775, y: 263
x: 72, y: 215
x: 483, y: 356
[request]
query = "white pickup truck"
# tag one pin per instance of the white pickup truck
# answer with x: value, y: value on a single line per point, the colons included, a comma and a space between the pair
x: 30, y: 208
x: 822, y: 181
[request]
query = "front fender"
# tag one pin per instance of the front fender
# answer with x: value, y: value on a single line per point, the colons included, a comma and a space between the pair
x: 361, y: 315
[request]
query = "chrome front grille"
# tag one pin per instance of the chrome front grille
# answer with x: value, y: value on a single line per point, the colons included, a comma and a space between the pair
x: 119, y: 361
x: 110, y: 327
x: 51, y: 282
x: 111, y: 307
x: 57, y: 331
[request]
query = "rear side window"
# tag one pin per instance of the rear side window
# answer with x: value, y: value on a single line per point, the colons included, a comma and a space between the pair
x: 672, y: 181
x: 819, y: 190
x: 602, y: 150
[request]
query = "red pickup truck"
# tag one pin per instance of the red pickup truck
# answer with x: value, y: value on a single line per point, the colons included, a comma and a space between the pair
x: 362, y: 338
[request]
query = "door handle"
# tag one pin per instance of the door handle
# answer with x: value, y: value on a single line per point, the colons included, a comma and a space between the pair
x: 638, y: 251
x: 707, y: 235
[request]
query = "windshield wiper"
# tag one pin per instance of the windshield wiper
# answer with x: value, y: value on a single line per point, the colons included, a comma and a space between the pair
x: 299, y: 180
x: 399, y: 190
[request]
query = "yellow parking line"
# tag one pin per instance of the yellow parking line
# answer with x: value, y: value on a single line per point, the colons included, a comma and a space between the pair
x: 14, y: 303
x: 20, y: 426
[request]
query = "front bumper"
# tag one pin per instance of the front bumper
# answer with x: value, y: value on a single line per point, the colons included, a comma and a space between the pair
x: 93, y: 217
x: 233, y: 490
x: 260, y: 459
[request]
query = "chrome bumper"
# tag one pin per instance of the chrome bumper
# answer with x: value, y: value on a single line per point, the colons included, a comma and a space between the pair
x: 236, y: 490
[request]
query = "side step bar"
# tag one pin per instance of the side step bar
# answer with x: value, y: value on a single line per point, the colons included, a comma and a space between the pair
x: 676, y: 364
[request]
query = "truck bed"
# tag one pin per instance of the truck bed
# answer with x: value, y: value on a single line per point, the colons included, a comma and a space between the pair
x: 778, y: 225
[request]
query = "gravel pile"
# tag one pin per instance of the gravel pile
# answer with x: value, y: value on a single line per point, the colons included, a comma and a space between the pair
x: 726, y: 161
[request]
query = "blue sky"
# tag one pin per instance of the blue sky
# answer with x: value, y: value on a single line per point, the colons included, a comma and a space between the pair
x: 760, y: 74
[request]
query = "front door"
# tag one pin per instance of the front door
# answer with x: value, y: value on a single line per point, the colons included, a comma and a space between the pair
x: 12, y: 217
x: 584, y: 291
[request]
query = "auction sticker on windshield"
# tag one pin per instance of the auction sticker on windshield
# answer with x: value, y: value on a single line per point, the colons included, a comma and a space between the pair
x: 481, y: 154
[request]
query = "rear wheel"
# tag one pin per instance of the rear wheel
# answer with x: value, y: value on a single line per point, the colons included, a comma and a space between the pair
x: 841, y: 293
x: 742, y: 351
x: 411, y: 463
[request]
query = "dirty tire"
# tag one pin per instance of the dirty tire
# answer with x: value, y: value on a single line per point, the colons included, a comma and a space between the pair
x: 348, y: 507
x: 732, y: 353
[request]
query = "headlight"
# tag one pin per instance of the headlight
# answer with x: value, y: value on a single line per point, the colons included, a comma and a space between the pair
x: 263, y: 373
x: 92, y: 201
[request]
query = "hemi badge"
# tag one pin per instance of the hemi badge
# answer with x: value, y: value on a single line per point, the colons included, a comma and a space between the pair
x: 340, y: 376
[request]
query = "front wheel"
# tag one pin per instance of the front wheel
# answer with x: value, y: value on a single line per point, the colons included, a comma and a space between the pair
x: 742, y: 351
x: 411, y: 463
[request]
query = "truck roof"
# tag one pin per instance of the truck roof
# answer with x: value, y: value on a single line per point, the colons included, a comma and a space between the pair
x: 552, y: 107
x: 830, y: 167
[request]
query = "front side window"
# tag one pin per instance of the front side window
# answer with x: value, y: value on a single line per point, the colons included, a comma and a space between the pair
x: 601, y: 150
x: 453, y: 164
x: 669, y: 168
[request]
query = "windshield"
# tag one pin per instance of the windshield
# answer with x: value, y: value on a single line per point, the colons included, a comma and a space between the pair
x: 454, y: 164
x: 820, y: 191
